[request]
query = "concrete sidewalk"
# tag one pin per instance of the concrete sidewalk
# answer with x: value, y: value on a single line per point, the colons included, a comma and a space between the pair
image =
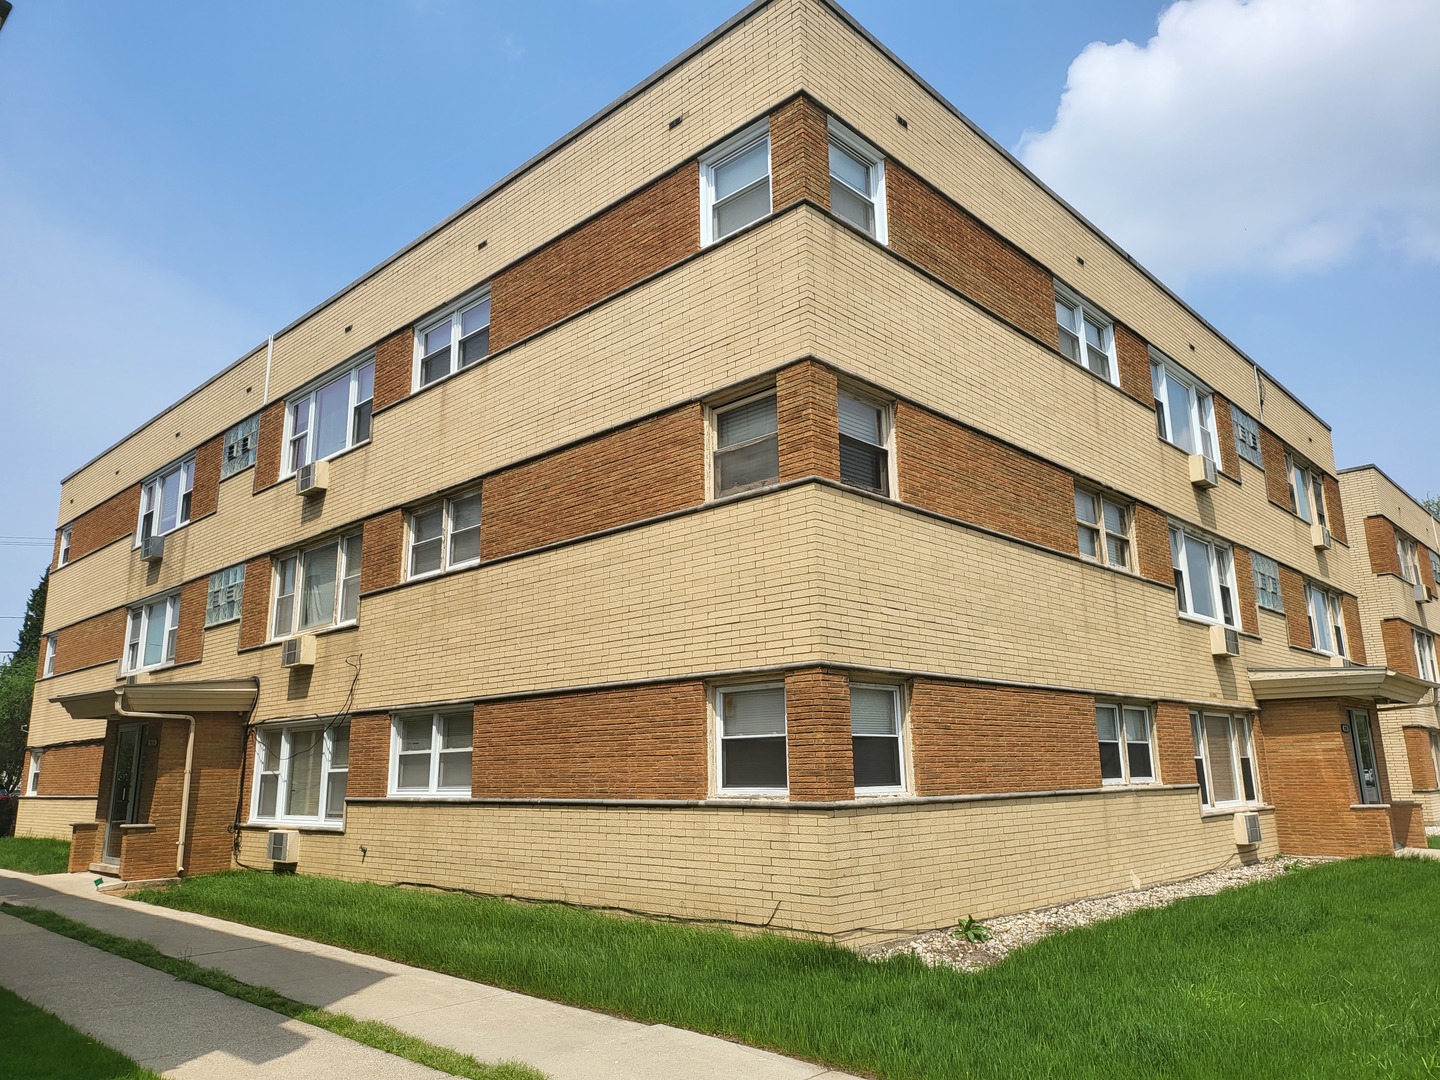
x: 490, y: 1024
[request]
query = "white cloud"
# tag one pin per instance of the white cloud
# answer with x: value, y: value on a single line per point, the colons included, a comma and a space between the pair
x: 1280, y: 135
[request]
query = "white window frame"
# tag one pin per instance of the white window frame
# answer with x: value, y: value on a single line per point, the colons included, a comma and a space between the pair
x: 714, y: 414
x: 1318, y: 599
x: 1220, y: 563
x: 454, y: 315
x: 886, y: 445
x: 1119, y: 711
x: 1409, y: 554
x: 1199, y: 400
x: 733, y: 147
x: 224, y: 589
x: 1247, y: 436
x: 1080, y: 311
x: 849, y: 143
x: 1434, y: 565
x: 897, y: 696
x: 138, y: 629
x: 328, y: 772
x: 446, y: 537
x: 32, y: 780
x: 49, y: 668
x: 1435, y: 752
x: 1102, y: 532
x: 1240, y: 739
x: 437, y: 728
x: 1307, y: 490
x: 1264, y: 580
x: 64, y: 555
x: 1424, y: 654
x: 152, y: 494
x: 356, y: 406
x: 238, y: 447
x: 720, y: 738
x: 346, y: 577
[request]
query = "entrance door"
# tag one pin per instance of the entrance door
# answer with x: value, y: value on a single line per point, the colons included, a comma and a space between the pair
x: 124, y: 789
x: 1364, y: 742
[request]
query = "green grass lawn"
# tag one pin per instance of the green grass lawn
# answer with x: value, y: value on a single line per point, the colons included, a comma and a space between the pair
x: 38, y: 1046
x: 34, y: 854
x: 1434, y: 841
x: 1326, y: 971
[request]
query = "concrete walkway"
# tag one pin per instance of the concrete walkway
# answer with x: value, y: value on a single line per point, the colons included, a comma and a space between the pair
x: 185, y: 1030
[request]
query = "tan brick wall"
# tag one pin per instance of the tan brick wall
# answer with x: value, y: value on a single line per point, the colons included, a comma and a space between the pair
x: 114, y: 518
x: 255, y: 603
x: 645, y: 742
x: 1354, y: 628
x: 1245, y: 582
x: 799, y: 154
x: 1225, y: 436
x: 1277, y: 483
x: 817, y: 723
x: 954, y: 470
x: 1152, y: 545
x: 1335, y: 509
x: 205, y: 490
x: 1422, y: 759
x: 269, y: 451
x: 369, y: 755
x: 94, y: 641
x: 808, y: 412
x: 1399, y: 646
x: 190, y: 634
x: 945, y: 240
x: 1132, y: 359
x: 1380, y: 542
x: 382, y: 551
x: 1297, y: 617
x: 54, y: 818
x: 66, y: 770
x: 394, y: 368
x: 649, y: 468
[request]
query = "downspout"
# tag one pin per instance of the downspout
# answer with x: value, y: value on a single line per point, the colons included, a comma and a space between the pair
x: 189, y: 762
x: 269, y: 356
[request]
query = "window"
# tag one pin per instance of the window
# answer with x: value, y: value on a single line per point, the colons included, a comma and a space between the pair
x: 318, y: 587
x: 222, y: 599
x: 1267, y: 582
x: 747, y: 445
x: 1327, y: 623
x: 1086, y: 336
x: 1434, y: 565
x: 445, y: 536
x: 1223, y: 765
x: 864, y: 441
x: 1435, y: 754
x: 1103, y: 528
x: 1307, y: 492
x: 857, y: 182
x: 457, y: 339
x: 1409, y: 555
x: 32, y: 786
x: 875, y: 738
x: 49, y: 668
x: 1204, y: 577
x: 431, y: 754
x: 331, y: 418
x: 1424, y: 654
x: 1247, y: 436
x: 735, y: 184
x: 64, y: 555
x: 150, y: 637
x: 239, y: 446
x: 752, y: 740
x: 1184, y: 410
x: 300, y: 773
x: 1125, y: 754
x: 165, y: 500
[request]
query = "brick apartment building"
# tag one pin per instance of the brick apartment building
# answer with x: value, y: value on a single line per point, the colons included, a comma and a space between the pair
x: 771, y: 504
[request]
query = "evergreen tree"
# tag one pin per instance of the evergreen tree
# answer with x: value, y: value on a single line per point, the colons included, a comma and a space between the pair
x: 17, y: 687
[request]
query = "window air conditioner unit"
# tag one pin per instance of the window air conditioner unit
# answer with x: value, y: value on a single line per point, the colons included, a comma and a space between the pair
x: 1224, y: 641
x: 298, y: 652
x: 1319, y: 537
x: 1420, y: 593
x: 312, y: 479
x: 152, y: 548
x: 282, y: 846
x: 1203, y: 473
x: 1247, y: 830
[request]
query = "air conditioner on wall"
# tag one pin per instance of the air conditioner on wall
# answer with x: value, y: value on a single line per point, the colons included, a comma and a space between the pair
x: 1203, y: 473
x: 1420, y: 593
x: 152, y: 548
x: 1319, y: 537
x: 1224, y: 641
x: 282, y: 846
x: 298, y: 652
x: 312, y: 479
x: 1247, y: 830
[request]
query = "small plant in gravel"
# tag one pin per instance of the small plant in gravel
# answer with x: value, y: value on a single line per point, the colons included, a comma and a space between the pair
x: 970, y: 930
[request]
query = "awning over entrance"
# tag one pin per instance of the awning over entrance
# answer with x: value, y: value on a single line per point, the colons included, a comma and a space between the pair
x: 1352, y: 681
x: 212, y: 696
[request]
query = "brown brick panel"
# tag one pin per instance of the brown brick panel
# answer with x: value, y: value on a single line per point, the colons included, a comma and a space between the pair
x: 114, y: 518
x: 394, y: 368
x: 96, y: 640
x: 799, y: 154
x: 1152, y: 545
x: 1334, y: 509
x: 1297, y: 615
x: 68, y: 770
x: 934, y: 233
x: 649, y: 468
x: 268, y: 448
x: 1245, y: 582
x: 1174, y: 743
x: 1132, y: 358
x: 1277, y: 484
x: 654, y: 228
x: 190, y: 635
x: 817, y: 726
x: 970, y: 739
x: 382, y: 551
x: 369, y: 756
x: 1380, y: 540
x: 83, y: 838
x: 205, y: 491
x: 55, y: 550
x: 808, y: 409
x: 1422, y: 759
x: 255, y: 602
x: 950, y: 469
x: 1399, y: 646
x: 1225, y: 436
x: 1407, y: 823
x: 1354, y: 628
x: 640, y: 743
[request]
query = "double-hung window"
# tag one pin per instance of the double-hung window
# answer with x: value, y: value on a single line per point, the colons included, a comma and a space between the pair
x: 223, y: 595
x: 301, y: 771
x: 165, y: 500
x: 1409, y: 554
x: 458, y: 338
x: 1103, y: 528
x: 1307, y: 491
x: 1434, y: 566
x: 751, y: 723
x: 32, y: 785
x: 1126, y: 756
x: 1327, y: 621
x: 857, y: 181
x: 864, y: 444
x: 1247, y: 436
x: 445, y: 536
x: 1086, y: 336
x: 1424, y: 654
x: 1435, y: 754
x: 1184, y: 408
x: 332, y: 417
x: 1204, y: 577
x: 747, y: 444
x: 735, y: 184
x: 317, y: 587
x: 1267, y: 582
x: 49, y: 668
x: 431, y: 754
x: 1223, y: 763
x: 239, y: 446
x: 150, y: 634
x: 64, y: 554
x: 875, y: 744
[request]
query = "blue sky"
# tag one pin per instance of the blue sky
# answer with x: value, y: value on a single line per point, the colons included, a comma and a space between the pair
x: 179, y: 180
